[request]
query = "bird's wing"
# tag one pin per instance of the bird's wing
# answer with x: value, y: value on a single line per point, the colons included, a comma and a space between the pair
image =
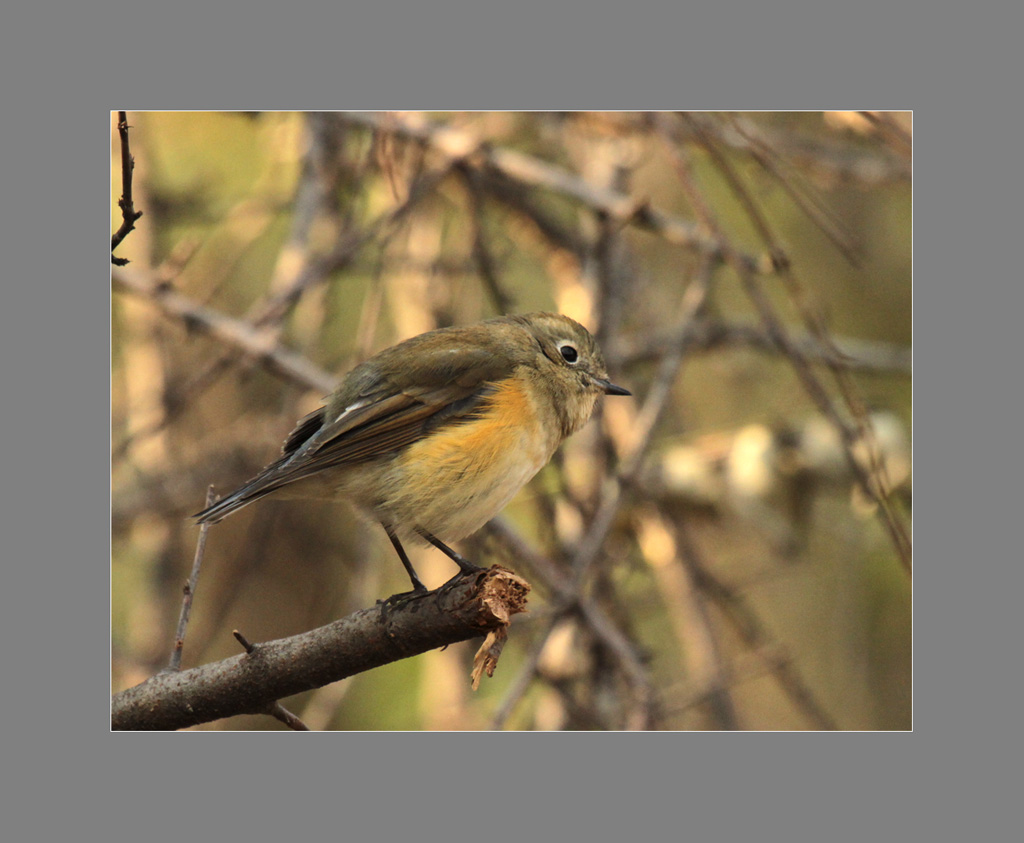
x: 374, y: 415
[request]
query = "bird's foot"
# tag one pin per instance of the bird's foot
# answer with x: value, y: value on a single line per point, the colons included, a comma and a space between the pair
x: 396, y: 601
x: 466, y: 569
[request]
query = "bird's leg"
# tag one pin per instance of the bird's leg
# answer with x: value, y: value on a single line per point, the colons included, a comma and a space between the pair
x: 465, y: 566
x: 418, y: 588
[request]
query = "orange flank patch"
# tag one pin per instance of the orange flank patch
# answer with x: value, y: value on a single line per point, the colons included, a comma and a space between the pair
x: 471, y: 469
x: 508, y: 423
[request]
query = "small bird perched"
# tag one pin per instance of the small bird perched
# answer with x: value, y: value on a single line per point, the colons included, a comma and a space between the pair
x: 433, y: 436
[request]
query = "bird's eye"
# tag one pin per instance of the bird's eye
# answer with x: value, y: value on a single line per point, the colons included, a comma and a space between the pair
x: 569, y: 353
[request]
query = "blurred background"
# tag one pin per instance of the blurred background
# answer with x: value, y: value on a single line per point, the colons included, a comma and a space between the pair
x: 727, y: 549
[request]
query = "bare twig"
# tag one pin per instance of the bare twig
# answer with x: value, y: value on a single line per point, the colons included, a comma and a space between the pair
x: 247, y: 645
x: 248, y: 683
x: 129, y: 215
x: 281, y: 713
x: 190, y: 590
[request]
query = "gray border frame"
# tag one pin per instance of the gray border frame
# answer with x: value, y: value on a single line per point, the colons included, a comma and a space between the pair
x: 73, y: 776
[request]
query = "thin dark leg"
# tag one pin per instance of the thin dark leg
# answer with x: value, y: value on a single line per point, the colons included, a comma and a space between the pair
x: 417, y: 583
x: 465, y: 566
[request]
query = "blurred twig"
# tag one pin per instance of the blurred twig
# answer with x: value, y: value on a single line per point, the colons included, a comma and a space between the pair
x: 776, y: 329
x: 898, y: 138
x: 848, y: 433
x: 457, y: 145
x: 312, y: 197
x: 700, y: 647
x: 236, y: 333
x: 752, y: 630
x: 519, y: 199
x: 691, y: 307
x: 279, y: 712
x: 293, y: 278
x: 345, y: 251
x: 590, y: 545
x: 482, y: 255
x: 788, y: 179
x: 830, y: 162
x: 590, y: 613
x: 855, y: 354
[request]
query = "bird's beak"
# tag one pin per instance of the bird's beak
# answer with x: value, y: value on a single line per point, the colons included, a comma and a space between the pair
x: 610, y: 388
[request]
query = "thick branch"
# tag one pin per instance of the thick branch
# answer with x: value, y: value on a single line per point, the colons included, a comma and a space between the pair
x: 249, y: 683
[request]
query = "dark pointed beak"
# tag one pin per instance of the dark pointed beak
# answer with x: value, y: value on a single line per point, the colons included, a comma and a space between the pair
x: 610, y: 388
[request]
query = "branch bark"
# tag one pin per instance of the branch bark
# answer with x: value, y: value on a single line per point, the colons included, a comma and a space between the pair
x: 252, y: 682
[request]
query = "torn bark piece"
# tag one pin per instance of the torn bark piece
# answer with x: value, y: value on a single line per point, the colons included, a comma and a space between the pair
x: 504, y: 596
x: 486, y: 658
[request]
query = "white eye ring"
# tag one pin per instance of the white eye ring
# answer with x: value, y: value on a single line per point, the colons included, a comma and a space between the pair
x: 569, y: 353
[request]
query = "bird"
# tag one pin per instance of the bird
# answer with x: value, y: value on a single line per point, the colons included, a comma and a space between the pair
x: 432, y: 437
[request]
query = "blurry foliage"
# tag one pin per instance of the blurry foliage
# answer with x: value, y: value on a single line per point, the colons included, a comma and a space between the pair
x: 239, y: 206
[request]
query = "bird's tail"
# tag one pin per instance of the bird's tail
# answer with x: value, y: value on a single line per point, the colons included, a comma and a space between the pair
x: 263, y: 484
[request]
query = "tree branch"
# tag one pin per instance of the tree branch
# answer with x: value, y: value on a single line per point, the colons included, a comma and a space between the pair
x: 252, y: 682
x: 274, y: 709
